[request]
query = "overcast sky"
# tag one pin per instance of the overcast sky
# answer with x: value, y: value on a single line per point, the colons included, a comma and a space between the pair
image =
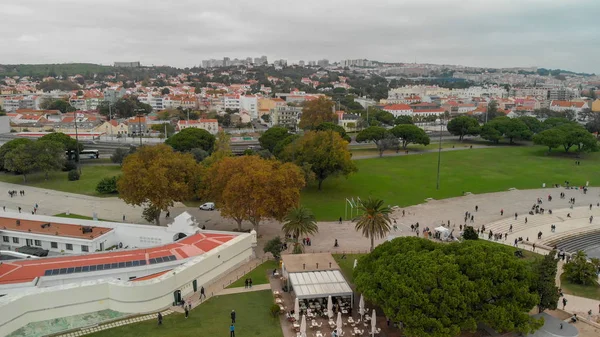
x: 496, y: 33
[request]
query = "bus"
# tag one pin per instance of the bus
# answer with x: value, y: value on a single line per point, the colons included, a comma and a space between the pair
x: 92, y: 154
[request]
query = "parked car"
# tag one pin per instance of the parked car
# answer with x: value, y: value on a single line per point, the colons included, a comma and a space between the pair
x: 207, y: 206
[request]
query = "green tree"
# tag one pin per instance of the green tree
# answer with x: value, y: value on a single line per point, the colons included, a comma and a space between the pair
x: 552, y: 138
x: 374, y: 223
x: 57, y: 104
x: 325, y: 152
x: 408, y: 133
x: 334, y: 127
x: 316, y: 112
x: 545, y: 282
x: 593, y: 125
x: 514, y: 129
x: 107, y: 185
x: 69, y: 143
x: 491, y: 133
x: 403, y: 120
x: 165, y: 91
x: 275, y: 247
x: 532, y: 123
x: 119, y: 156
x: 11, y: 145
x: 272, y: 136
x: 579, y: 271
x: 191, y: 138
x: 375, y: 134
x: 300, y: 222
x: 162, y: 127
x: 199, y: 154
x: 553, y: 122
x: 21, y: 160
x: 462, y: 126
x: 49, y: 156
x: 470, y: 234
x: 443, y: 289
x: 577, y: 135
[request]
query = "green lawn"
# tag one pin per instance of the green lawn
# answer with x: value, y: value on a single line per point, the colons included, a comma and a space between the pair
x: 347, y: 265
x: 258, y: 275
x: 90, y: 176
x: 76, y: 216
x: 211, y: 319
x: 579, y: 290
x: 409, y: 180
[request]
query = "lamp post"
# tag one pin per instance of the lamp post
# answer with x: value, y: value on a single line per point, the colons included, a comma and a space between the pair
x: 437, y: 186
x: 77, y: 143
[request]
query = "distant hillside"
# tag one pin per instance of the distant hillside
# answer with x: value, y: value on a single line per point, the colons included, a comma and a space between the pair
x: 42, y: 70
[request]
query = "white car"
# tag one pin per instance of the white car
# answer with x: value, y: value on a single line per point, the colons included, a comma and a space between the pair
x: 208, y: 206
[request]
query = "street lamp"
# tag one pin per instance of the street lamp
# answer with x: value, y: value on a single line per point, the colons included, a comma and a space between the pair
x: 437, y: 187
x: 77, y: 143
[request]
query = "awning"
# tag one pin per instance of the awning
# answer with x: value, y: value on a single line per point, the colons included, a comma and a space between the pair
x: 317, y: 284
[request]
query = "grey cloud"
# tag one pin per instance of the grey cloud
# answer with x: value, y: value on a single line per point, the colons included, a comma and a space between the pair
x: 501, y: 33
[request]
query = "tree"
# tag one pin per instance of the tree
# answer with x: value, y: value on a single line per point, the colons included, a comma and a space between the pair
x: 334, y: 127
x: 553, y: 122
x: 324, y: 152
x: 21, y: 160
x: 533, y: 124
x: 462, y: 126
x: 69, y: 143
x: 129, y: 107
x: 409, y: 133
x: 156, y: 176
x: 316, y: 112
x: 191, y: 138
x: 580, y: 271
x: 107, y: 185
x: 253, y: 189
x: 552, y: 138
x: 577, y: 135
x: 165, y: 91
x: 299, y: 222
x: 274, y: 246
x: 9, y: 146
x: 199, y: 154
x: 375, y: 220
x: 545, y: 282
x: 402, y: 119
x: 272, y: 136
x: 489, y: 132
x: 162, y: 127
x: 119, y: 156
x: 470, y: 234
x: 440, y: 290
x: 57, y: 104
x: 221, y: 149
x: 49, y: 156
x: 593, y: 125
x: 375, y: 134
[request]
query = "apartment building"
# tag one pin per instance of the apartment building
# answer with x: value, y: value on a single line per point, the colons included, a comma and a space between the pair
x: 210, y: 125
x: 288, y: 116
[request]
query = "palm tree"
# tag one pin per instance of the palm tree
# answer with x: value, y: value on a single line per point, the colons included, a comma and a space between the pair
x: 375, y: 221
x: 299, y: 222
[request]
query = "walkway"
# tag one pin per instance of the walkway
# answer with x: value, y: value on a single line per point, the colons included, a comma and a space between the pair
x: 412, y: 153
x: 115, y: 324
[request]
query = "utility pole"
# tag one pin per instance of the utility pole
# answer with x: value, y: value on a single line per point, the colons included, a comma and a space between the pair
x: 139, y: 116
x: 437, y: 186
x: 110, y: 119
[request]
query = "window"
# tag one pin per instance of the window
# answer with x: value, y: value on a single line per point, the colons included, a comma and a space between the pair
x: 29, y: 242
x: 85, y: 249
x: 15, y: 240
x: 53, y: 245
x: 5, y: 239
x: 38, y: 243
x: 69, y: 246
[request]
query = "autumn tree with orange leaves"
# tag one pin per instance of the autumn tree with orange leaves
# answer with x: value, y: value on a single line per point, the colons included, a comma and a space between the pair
x: 249, y: 188
x: 155, y: 177
x: 316, y: 112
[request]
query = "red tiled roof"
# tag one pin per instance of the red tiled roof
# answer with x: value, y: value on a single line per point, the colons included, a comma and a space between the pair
x: 429, y: 111
x: 397, y: 107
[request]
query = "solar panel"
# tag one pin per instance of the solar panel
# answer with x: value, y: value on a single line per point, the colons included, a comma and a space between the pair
x: 152, y: 261
x: 70, y: 270
x: 114, y: 265
x: 172, y: 258
x: 93, y: 268
x: 63, y: 271
x: 100, y: 267
x: 107, y: 266
x: 55, y: 272
x: 128, y: 264
x: 78, y: 269
x: 85, y: 269
x: 136, y: 263
x: 48, y: 272
x: 159, y: 260
x: 121, y: 264
x: 142, y: 262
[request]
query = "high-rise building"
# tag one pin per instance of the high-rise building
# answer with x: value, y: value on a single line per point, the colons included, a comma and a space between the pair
x: 312, y: 63
x: 127, y: 64
x: 323, y: 63
x: 301, y: 63
x: 226, y: 62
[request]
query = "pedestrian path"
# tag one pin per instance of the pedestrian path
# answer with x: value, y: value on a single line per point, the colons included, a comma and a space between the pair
x: 238, y: 290
x: 101, y: 327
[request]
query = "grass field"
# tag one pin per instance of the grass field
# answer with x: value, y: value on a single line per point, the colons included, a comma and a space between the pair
x: 371, y: 150
x: 90, y: 177
x: 347, y: 264
x: 579, y: 290
x: 76, y: 216
x: 258, y: 274
x: 211, y: 318
x: 409, y: 180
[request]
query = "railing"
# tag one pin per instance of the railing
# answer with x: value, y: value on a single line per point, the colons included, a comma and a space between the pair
x: 249, y: 269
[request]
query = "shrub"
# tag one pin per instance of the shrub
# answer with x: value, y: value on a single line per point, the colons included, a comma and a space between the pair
x: 470, y: 234
x: 73, y: 175
x: 275, y: 310
x: 107, y: 185
x: 70, y: 165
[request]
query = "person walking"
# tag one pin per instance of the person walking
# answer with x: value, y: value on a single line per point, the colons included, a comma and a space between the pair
x: 231, y: 331
x: 564, y: 303
x: 202, y: 293
x: 501, y: 212
x: 159, y: 318
x: 516, y: 216
x: 340, y: 222
x: 232, y: 317
x: 187, y: 311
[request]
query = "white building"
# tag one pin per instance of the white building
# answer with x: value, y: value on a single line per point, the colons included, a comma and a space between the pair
x: 156, y: 102
x: 476, y: 91
x: 154, y: 266
x: 231, y: 102
x: 399, y: 110
x: 210, y: 125
x: 249, y: 103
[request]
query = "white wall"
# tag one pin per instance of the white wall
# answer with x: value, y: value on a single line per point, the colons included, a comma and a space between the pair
x: 128, y: 297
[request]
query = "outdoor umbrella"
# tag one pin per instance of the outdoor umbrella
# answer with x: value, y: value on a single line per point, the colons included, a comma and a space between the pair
x: 303, y: 325
x: 373, y: 326
x: 330, y: 307
x: 361, y: 306
x: 296, y: 310
x: 355, y: 263
x: 338, y: 323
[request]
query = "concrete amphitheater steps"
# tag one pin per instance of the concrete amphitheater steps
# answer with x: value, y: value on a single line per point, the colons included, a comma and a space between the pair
x: 582, y: 241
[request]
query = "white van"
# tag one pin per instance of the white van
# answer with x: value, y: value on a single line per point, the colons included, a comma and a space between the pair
x: 208, y: 206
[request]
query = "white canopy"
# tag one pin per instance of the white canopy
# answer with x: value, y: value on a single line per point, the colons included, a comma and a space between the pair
x: 442, y: 230
x: 315, y: 284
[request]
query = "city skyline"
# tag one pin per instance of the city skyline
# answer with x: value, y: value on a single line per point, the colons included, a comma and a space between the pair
x: 496, y: 34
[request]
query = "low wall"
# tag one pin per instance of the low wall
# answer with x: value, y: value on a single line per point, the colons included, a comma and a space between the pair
x: 128, y: 297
